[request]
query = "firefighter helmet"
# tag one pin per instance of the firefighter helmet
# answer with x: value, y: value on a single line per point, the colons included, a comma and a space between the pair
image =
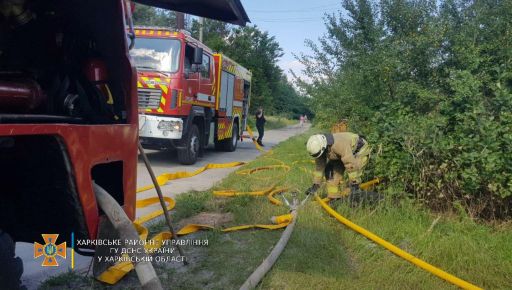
x: 316, y: 145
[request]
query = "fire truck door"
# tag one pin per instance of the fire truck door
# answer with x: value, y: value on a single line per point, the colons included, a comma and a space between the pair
x: 206, y: 93
x: 227, y: 86
x: 191, y: 72
x: 245, y: 109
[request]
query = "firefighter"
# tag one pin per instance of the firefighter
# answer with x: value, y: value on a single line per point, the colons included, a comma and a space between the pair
x: 260, y: 125
x: 339, y: 151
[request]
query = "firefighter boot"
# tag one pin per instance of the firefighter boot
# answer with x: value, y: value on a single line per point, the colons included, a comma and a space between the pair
x: 333, y: 191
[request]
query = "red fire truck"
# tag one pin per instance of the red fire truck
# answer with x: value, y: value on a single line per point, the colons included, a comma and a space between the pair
x: 189, y: 96
x: 68, y: 116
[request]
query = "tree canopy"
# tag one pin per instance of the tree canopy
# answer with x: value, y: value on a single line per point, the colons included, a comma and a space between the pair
x: 151, y: 16
x: 430, y: 83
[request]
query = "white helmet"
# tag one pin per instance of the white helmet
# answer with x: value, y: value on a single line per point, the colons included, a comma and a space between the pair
x: 316, y: 145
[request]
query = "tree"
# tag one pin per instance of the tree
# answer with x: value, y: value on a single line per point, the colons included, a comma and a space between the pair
x: 430, y: 82
x: 259, y: 52
x: 151, y: 16
x: 214, y: 32
x: 286, y: 99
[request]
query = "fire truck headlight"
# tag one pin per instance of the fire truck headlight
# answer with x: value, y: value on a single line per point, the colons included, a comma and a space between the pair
x: 170, y: 126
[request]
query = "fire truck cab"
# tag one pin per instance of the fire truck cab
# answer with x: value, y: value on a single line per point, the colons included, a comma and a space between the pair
x: 189, y: 96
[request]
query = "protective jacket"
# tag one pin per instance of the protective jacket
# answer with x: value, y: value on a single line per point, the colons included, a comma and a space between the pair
x: 260, y: 119
x: 347, y: 151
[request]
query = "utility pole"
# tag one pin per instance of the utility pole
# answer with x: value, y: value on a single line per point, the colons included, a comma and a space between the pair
x: 180, y: 21
x: 201, y: 22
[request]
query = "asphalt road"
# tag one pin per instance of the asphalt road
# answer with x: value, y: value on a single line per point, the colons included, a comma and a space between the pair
x: 162, y: 162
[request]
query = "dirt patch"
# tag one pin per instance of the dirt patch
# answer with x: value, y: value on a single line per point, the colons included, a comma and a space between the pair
x: 214, y: 219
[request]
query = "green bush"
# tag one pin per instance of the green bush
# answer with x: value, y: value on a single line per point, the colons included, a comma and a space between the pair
x: 431, y: 87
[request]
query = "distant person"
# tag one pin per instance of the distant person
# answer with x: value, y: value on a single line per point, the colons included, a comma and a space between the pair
x: 260, y: 125
x: 301, y: 120
x: 305, y: 118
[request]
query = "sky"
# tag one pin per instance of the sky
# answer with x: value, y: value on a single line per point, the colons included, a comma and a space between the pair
x: 291, y: 22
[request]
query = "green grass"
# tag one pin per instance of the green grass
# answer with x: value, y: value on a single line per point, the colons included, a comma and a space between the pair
x: 273, y: 122
x: 191, y: 204
x: 324, y: 254
x: 69, y: 280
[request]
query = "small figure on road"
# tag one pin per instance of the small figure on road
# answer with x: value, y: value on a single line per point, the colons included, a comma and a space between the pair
x: 339, y: 151
x: 301, y: 120
x: 260, y: 125
x: 305, y: 118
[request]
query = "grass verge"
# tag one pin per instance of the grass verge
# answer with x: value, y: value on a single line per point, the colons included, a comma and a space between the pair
x: 273, y: 122
x: 322, y: 253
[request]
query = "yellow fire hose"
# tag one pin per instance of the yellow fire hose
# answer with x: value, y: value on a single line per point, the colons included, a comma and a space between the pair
x: 113, y: 274
x: 120, y: 221
x: 164, y: 178
x: 397, y: 251
x: 251, y: 134
x: 116, y: 272
x: 231, y: 193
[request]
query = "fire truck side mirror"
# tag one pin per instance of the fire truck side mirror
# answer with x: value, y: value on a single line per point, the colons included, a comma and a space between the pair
x: 198, y: 55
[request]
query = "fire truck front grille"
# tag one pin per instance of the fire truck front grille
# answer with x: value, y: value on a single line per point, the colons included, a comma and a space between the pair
x: 149, y: 98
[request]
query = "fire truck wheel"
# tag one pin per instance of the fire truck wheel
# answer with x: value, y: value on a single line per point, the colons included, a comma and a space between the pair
x: 233, y: 141
x: 228, y: 144
x: 188, y: 155
x: 11, y: 267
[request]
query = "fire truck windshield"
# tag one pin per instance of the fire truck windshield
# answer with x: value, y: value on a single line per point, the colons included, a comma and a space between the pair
x: 157, y: 54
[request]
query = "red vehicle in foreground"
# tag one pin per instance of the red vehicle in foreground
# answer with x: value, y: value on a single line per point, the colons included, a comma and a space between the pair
x: 189, y: 96
x: 69, y: 116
